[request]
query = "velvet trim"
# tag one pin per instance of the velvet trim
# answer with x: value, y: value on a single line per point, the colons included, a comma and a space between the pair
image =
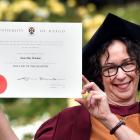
x: 126, y: 110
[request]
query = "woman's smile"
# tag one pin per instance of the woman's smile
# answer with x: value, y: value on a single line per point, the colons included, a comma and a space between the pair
x: 123, y: 86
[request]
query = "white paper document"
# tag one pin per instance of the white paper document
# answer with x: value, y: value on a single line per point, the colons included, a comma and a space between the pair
x: 40, y: 60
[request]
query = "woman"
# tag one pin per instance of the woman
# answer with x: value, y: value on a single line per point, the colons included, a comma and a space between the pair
x: 108, y: 111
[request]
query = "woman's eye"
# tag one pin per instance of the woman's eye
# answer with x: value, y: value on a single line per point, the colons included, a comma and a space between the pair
x: 109, y: 68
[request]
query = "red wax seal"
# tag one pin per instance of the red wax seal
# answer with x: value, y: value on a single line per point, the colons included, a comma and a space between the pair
x: 3, y: 84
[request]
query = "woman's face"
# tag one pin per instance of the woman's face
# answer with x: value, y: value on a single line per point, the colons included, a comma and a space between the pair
x: 121, y: 88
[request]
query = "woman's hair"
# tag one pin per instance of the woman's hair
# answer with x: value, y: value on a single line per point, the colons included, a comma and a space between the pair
x: 133, y: 50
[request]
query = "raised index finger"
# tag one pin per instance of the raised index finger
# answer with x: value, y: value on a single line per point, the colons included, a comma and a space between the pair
x: 85, y: 80
x: 87, y: 85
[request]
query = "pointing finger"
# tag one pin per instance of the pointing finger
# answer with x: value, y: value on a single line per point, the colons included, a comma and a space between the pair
x: 85, y: 80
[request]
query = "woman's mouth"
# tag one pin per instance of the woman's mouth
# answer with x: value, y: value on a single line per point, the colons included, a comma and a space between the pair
x: 123, y: 86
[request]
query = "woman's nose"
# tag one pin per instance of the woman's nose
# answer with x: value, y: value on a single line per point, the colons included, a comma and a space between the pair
x: 121, y: 74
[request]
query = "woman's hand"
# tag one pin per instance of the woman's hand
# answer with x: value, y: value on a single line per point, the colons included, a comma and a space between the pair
x: 95, y: 100
x: 6, y: 132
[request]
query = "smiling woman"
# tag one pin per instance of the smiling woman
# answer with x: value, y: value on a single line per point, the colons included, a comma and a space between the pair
x: 111, y: 60
x: 109, y: 110
x: 120, y: 73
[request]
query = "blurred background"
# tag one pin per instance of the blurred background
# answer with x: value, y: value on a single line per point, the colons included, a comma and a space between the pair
x: 26, y: 115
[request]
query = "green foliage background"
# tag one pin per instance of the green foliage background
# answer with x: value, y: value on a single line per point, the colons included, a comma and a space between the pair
x: 23, y: 111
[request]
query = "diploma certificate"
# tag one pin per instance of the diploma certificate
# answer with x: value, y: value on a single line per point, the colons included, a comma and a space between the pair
x: 40, y: 60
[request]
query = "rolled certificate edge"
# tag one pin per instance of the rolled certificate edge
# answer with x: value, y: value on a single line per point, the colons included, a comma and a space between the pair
x: 85, y: 95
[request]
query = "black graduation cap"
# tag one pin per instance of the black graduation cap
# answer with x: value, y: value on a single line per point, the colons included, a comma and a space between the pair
x: 112, y: 27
